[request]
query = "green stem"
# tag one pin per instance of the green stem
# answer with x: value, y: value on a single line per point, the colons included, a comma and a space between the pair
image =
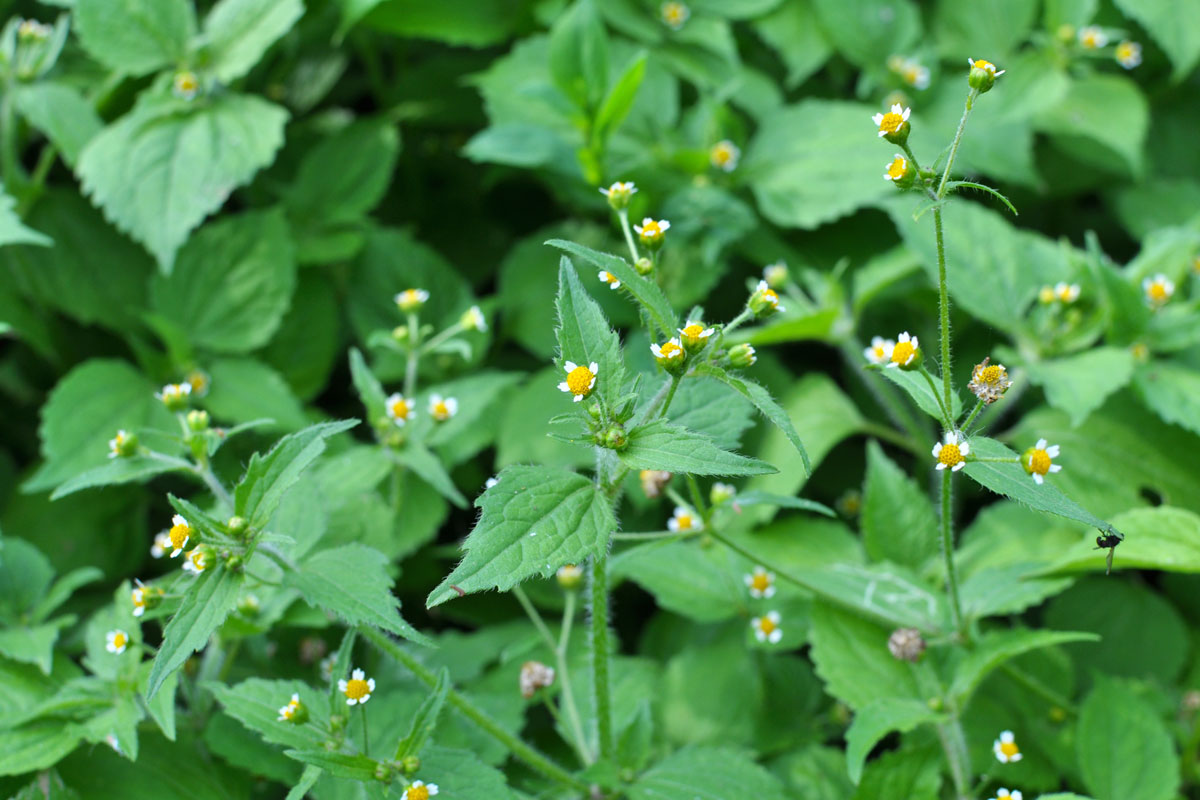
x: 414, y: 357
x: 958, y: 134
x: 737, y: 321
x: 600, y: 657
x: 949, y: 423
x: 9, y: 160
x: 534, y: 616
x: 948, y: 553
x: 468, y: 709
x: 966, y: 426
x: 885, y: 433
x: 943, y: 306
x: 697, y: 498
x: 666, y: 403
x: 214, y: 485
x: 366, y: 741
x: 560, y: 653
x: 633, y: 252
x: 950, y: 733
x: 429, y: 344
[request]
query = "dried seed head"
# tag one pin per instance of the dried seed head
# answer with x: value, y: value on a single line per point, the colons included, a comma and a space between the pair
x: 989, y: 382
x: 906, y: 644
x: 535, y: 675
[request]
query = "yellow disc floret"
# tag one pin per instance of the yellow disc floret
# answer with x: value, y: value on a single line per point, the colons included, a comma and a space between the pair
x: 356, y: 689
x: 579, y: 380
x: 950, y: 456
x: 902, y: 352
x: 179, y: 534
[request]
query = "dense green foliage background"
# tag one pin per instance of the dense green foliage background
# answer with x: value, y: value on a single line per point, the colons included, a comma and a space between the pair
x: 232, y: 192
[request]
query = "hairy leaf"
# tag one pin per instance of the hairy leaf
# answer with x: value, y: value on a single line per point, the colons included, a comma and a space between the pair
x: 663, y: 446
x: 269, y: 477
x: 204, y: 607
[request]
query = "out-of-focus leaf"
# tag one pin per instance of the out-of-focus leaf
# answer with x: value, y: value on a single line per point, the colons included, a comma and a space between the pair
x: 135, y: 36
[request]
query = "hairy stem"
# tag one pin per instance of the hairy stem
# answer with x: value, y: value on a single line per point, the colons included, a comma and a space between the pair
x: 943, y: 306
x: 414, y: 357
x: 633, y: 252
x: 600, y: 657
x: 948, y: 553
x: 468, y: 709
x: 560, y: 654
x: 958, y: 134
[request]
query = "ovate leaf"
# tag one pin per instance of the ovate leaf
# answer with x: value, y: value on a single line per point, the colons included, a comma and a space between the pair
x: 12, y: 230
x: 993, y: 649
x: 663, y: 446
x: 60, y: 112
x: 852, y: 658
x: 346, y: 174
x: 898, y: 523
x: 1160, y: 538
x: 135, y: 36
x: 1079, y: 384
x: 162, y: 168
x: 878, y: 719
x: 1172, y: 391
x: 256, y: 702
x: 579, y: 54
x: 645, y: 291
x: 205, y: 605
x: 584, y: 335
x: 240, y: 31
x: 1124, y: 748
x: 352, y: 582
x: 424, y: 721
x: 706, y: 773
x: 767, y: 405
x: 341, y: 765
x: 534, y: 520
x: 928, y: 398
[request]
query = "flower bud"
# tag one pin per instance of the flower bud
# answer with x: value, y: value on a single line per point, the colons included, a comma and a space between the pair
x: 410, y: 765
x: 411, y: 300
x: 614, y: 438
x: 906, y: 644
x: 294, y: 712
x: 776, y: 275
x: 849, y: 504
x: 569, y: 577
x: 982, y: 75
x: 619, y: 194
x: 236, y: 525
x: 400, y: 334
x: 175, y: 396
x: 900, y: 172
x: 534, y: 676
x: 721, y: 493
x: 742, y: 356
x: 384, y: 772
x: 764, y: 302
x: 185, y: 85
x: 644, y: 266
x: 248, y: 605
x: 197, y: 421
x: 123, y: 445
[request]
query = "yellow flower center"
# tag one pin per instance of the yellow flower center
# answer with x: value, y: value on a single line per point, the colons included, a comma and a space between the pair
x: 119, y: 640
x: 179, y: 535
x: 357, y: 689
x: 198, y: 560
x: 289, y: 711
x: 892, y: 121
x: 1124, y: 51
x: 950, y: 455
x: 1039, y: 462
x: 1009, y: 749
x: 138, y: 597
x: 985, y: 65
x: 878, y: 351
x: 579, y: 381
x: 903, y: 352
x: 186, y: 82
x: 440, y: 411
x: 608, y: 277
x: 766, y: 626
x: 770, y: 296
x: 990, y: 374
x: 401, y: 409
x: 685, y: 522
x: 693, y: 333
x: 668, y: 350
x: 760, y: 582
x: 1091, y: 39
x: 898, y: 169
x: 199, y: 382
x: 673, y: 13
x: 651, y: 230
x: 721, y: 154
x: 1158, y: 292
x: 417, y: 793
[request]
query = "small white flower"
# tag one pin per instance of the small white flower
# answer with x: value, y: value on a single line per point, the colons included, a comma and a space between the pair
x: 694, y: 334
x: 1129, y: 54
x: 903, y: 351
x: 411, y: 299
x: 117, y: 443
x: 1067, y: 292
x: 985, y: 65
x: 580, y: 380
x: 607, y: 277
x: 442, y: 408
x: 880, y: 350
x: 162, y: 544
x: 1092, y: 37
x: 1038, y: 461
x: 288, y: 713
x: 674, y: 14
x: 174, y: 394
x: 669, y: 353
x: 1006, y: 749
x: 652, y: 232
x: 358, y: 689
x: 400, y: 409
x: 761, y: 584
x: 725, y: 155
x: 766, y: 628
x: 1158, y: 289
x: 116, y: 642
x: 766, y: 298
x: 1005, y: 794
x: 684, y: 520
x: 138, y: 597
x: 891, y: 121
x: 419, y: 790
x: 196, y: 562
x: 473, y: 319
x: 951, y: 453
x: 178, y: 536
x: 619, y: 188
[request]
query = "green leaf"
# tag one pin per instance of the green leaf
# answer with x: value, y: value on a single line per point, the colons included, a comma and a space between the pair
x: 693, y: 582
x: 162, y: 707
x: 427, y: 466
x: 898, y: 523
x: 424, y: 721
x: 245, y: 390
x: 763, y: 401
x: 308, y: 343
x: 135, y: 36
x: 962, y: 31
x: 1172, y: 391
x: 706, y: 773
x: 461, y: 773
x: 827, y: 173
x: 370, y: 390
x: 1079, y: 384
x: 1011, y: 480
x: 232, y: 283
x: 346, y: 174
x: 584, y: 336
x: 32, y: 645
x: 755, y: 497
x: 26, y: 574
x: 878, y: 719
x: 84, y: 411
x: 352, y: 582
x: 903, y: 773
x: 308, y: 779
x: 645, y: 291
x: 792, y: 30
x: 534, y: 520
x: 1173, y: 26
x: 135, y: 469
x: 993, y: 649
x: 862, y: 29
x: 619, y: 101
x: 161, y: 169
x: 62, y: 589
x: 474, y: 23
x: 1103, y: 120
x: 256, y: 702
x: 706, y: 407
x: 1159, y: 538
x: 269, y: 477
x: 60, y: 112
x: 661, y: 445
x: 885, y: 593
x: 12, y: 230
x: 852, y: 658
x: 1124, y: 749
x: 238, y: 32
x: 37, y: 745
x: 926, y: 397
x: 340, y: 765
x: 579, y: 54
x: 204, y: 607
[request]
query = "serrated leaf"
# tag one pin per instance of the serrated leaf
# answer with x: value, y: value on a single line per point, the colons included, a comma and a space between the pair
x: 534, y: 520
x: 240, y: 31
x: 645, y: 291
x: 62, y: 589
x: 38, y: 745
x: 1011, y: 480
x: 461, y: 773
x: 425, y: 719
x: 352, y: 582
x: 340, y: 765
x: 584, y: 335
x: 994, y: 648
x: 852, y: 658
x: 898, y: 523
x: 256, y: 702
x: 12, y: 230
x: 885, y: 593
x: 1124, y: 748
x: 161, y: 169
x: 663, y: 446
x: 32, y: 645
x: 346, y: 174
x: 763, y: 401
x: 61, y: 113
x: 1079, y: 384
x: 926, y: 397
x: 706, y: 773
x: 135, y: 36
x: 205, y: 605
x: 250, y: 393
x: 1160, y: 538
x: 269, y: 477
x: 427, y: 466
x: 116, y: 471
x: 231, y: 284
x: 684, y: 579
x: 876, y: 720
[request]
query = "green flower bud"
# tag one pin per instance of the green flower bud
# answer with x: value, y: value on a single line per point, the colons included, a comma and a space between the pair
x: 983, y: 74
x: 614, y: 438
x: 764, y: 302
x: 236, y: 525
x: 412, y: 300
x: 619, y: 194
x: 652, y: 233
x: 248, y: 605
x: 644, y: 266
x: 175, y: 396
x: 776, y: 275
x: 123, y: 445
x: 721, y: 493
x: 197, y: 420
x: 569, y: 577
x: 384, y: 773
x: 742, y: 356
x: 410, y: 765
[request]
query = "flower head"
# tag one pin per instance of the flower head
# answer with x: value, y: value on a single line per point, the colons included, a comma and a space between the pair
x: 534, y: 676
x: 776, y: 275
x: 764, y: 301
x: 30, y: 30
x: 893, y: 125
x: 619, y: 194
x: 652, y: 233
x: 1067, y: 292
x: 742, y: 355
x: 915, y: 74
x: 179, y: 535
x: 162, y: 544
x: 607, y: 277
x: 411, y: 300
x: 1092, y: 37
x: 674, y: 14
x: 900, y: 172
x: 684, y: 520
x: 442, y: 408
x: 1039, y: 460
x: 761, y: 583
x: 580, y: 380
x: 293, y: 712
x: 906, y: 644
x: 982, y: 75
x: 1005, y: 794
x: 766, y: 628
x: 358, y: 689
x: 175, y: 396
x: 905, y: 353
x: 123, y: 445
x: 419, y: 790
x: 724, y: 155
x: 694, y: 335
x: 721, y: 493
x: 199, y: 380
x: 569, y: 576
x: 669, y: 356
x: 116, y: 642
x: 143, y: 597
x: 198, y: 560
x: 989, y: 382
x: 1006, y: 749
x: 473, y: 319
x: 185, y: 86
x: 653, y: 481
x: 1129, y: 54
x: 951, y: 452
x: 399, y: 408
x: 1158, y: 289
x: 878, y: 352
x: 138, y: 597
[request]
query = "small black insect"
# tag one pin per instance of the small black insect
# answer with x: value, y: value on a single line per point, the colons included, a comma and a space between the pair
x: 1108, y: 540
